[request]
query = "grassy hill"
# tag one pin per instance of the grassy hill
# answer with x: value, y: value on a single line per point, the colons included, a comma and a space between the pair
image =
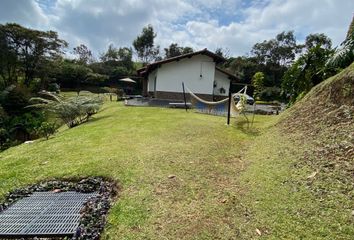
x: 300, y: 177
x: 188, y: 176
x: 175, y: 169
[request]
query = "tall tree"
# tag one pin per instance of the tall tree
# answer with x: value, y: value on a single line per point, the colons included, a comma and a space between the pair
x: 125, y: 56
x: 144, y: 45
x: 116, y: 62
x: 110, y: 55
x: 223, y: 52
x: 318, y: 40
x: 310, y: 68
x: 280, y: 51
x: 9, y: 61
x: 187, y: 50
x: 243, y: 67
x: 275, y: 55
x: 29, y: 46
x: 174, y: 50
x: 84, y: 54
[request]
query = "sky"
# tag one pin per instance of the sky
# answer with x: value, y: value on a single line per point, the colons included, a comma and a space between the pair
x: 235, y: 25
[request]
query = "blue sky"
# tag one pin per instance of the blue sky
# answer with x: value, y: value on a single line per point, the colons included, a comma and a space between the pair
x: 233, y: 24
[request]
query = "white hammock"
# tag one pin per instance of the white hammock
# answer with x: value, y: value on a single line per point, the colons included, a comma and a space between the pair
x: 235, y: 108
x: 217, y: 102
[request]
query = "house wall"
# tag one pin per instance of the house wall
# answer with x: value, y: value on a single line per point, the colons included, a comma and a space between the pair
x: 222, y: 81
x: 188, y: 70
x: 178, y: 96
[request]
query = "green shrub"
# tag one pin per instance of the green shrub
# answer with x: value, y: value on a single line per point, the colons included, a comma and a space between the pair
x: 54, y: 87
x: 47, y: 129
x: 4, y: 136
x: 14, y: 100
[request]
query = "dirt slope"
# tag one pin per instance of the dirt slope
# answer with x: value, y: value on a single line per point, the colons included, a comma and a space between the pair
x: 324, y: 119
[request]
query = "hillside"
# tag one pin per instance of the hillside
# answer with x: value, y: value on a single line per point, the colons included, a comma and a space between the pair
x: 300, y: 175
x: 325, y: 117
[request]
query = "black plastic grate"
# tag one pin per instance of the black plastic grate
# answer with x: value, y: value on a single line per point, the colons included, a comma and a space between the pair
x: 43, y: 214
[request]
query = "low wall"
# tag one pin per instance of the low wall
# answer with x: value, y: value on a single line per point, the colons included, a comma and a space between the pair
x: 179, y: 96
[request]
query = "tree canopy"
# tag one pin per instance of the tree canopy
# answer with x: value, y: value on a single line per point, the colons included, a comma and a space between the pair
x: 174, y: 50
x: 84, y: 54
x: 23, y: 49
x: 144, y: 45
x: 310, y: 68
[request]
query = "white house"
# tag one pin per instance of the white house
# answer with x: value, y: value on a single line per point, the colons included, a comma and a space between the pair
x: 198, y: 71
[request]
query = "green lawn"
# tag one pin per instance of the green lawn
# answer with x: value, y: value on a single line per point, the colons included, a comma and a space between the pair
x: 140, y: 148
x: 227, y: 181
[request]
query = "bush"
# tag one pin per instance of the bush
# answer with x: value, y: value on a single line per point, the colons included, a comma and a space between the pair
x: 4, y: 136
x: 27, y: 123
x: 47, y: 129
x: 72, y: 111
x: 15, y: 99
x: 270, y: 93
x: 54, y: 87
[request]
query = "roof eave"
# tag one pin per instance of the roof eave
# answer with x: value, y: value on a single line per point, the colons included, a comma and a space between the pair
x: 150, y: 67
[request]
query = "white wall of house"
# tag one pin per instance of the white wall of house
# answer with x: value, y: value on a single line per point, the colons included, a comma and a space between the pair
x: 196, y: 72
x: 222, y: 81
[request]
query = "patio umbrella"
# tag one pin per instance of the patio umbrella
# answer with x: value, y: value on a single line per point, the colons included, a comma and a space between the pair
x: 127, y: 80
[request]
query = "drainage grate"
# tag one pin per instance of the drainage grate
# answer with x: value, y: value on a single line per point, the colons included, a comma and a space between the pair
x: 43, y: 214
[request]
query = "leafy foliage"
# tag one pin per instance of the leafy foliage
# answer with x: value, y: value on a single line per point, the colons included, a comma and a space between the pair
x: 84, y: 54
x: 310, y: 68
x: 118, y: 92
x: 278, y: 51
x: 222, y: 52
x: 144, y: 45
x: 14, y: 98
x: 258, y: 83
x: 174, y: 50
x: 72, y: 111
x: 344, y: 54
x: 22, y: 50
x: 47, y: 129
x: 73, y: 75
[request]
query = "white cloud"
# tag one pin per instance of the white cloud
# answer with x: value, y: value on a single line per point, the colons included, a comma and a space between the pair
x: 23, y: 12
x: 232, y: 24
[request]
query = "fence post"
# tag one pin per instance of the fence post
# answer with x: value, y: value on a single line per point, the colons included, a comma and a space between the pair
x: 184, y: 97
x: 229, y: 107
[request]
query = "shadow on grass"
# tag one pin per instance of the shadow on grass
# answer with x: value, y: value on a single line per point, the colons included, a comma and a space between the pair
x: 95, y: 119
x: 247, y: 127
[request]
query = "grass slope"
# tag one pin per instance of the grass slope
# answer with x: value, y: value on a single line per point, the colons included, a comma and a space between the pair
x: 141, y: 148
x: 300, y: 174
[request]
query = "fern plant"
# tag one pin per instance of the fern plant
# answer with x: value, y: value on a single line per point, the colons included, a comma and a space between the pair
x: 72, y: 111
